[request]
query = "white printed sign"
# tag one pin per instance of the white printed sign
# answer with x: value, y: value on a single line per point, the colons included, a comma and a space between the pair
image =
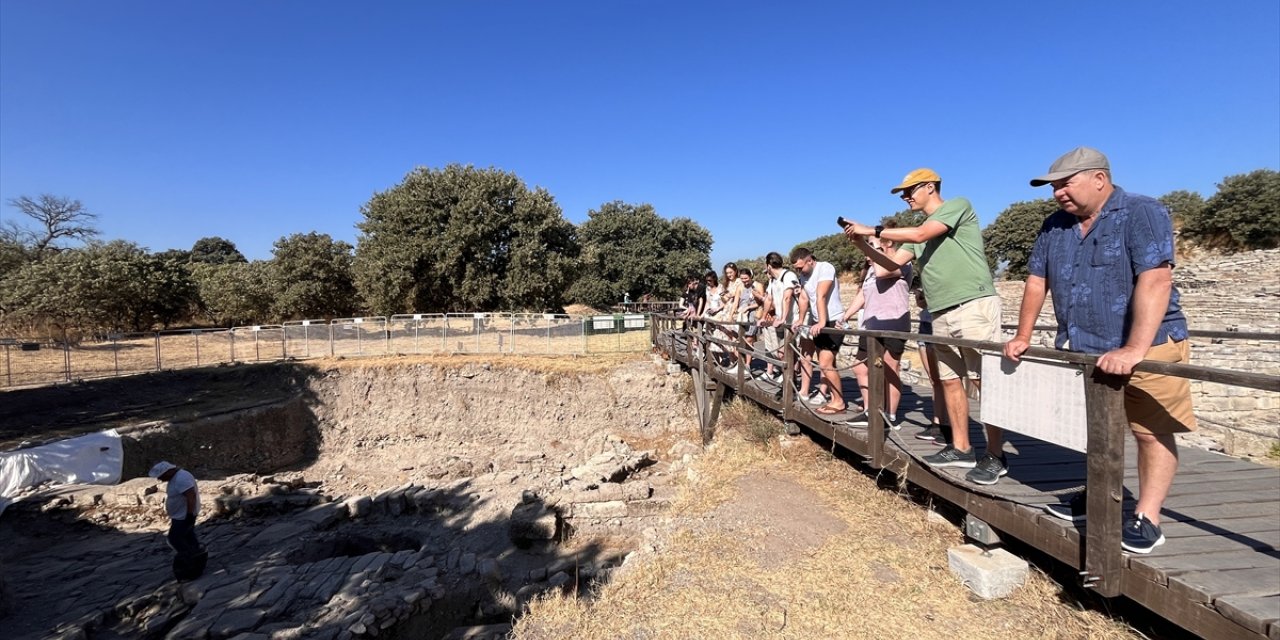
x: 1044, y: 400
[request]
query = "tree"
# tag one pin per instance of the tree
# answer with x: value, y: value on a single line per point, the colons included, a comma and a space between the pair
x: 58, y: 220
x: 105, y: 286
x: 215, y: 250
x: 235, y: 292
x: 906, y: 218
x: 463, y: 239
x: 311, y: 277
x: 1009, y: 239
x: 1243, y: 215
x: 1183, y: 205
x: 630, y: 250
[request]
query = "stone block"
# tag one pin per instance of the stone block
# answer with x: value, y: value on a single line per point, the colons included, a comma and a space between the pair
x: 358, y: 506
x: 324, y: 516
x: 642, y: 508
x: 466, y: 563
x: 532, y: 522
x: 993, y: 574
x: 612, y: 509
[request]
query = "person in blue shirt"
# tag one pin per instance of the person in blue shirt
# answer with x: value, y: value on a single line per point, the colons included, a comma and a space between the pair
x: 1107, y: 259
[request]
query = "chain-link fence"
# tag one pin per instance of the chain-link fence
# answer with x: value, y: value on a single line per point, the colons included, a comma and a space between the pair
x: 27, y: 363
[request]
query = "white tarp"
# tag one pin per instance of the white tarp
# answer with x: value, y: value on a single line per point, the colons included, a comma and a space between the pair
x: 1041, y: 399
x: 96, y: 458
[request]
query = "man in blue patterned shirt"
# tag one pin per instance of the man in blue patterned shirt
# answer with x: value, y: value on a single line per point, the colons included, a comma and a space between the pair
x: 1107, y: 259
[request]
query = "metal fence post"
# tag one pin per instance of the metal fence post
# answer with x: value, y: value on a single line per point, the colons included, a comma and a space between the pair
x: 196, y: 335
x: 233, y: 345
x: 66, y: 358
x: 157, y: 336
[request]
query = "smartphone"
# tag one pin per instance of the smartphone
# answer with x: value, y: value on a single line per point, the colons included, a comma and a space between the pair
x: 842, y: 222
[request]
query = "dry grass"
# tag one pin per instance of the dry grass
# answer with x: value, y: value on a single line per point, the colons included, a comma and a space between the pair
x: 138, y: 354
x: 882, y: 573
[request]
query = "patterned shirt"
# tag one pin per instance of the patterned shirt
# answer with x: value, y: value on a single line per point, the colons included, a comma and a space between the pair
x: 1092, y: 278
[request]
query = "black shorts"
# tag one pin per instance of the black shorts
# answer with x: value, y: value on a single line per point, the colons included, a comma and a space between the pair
x: 894, y: 346
x: 827, y: 341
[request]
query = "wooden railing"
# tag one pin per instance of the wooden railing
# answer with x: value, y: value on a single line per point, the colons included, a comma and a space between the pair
x: 1104, y: 406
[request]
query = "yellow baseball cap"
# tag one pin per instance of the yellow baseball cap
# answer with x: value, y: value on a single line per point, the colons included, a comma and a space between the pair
x: 916, y: 177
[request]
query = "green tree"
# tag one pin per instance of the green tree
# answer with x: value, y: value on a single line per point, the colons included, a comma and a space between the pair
x: 906, y: 218
x: 1183, y: 205
x: 1009, y: 238
x: 462, y: 238
x: 311, y: 277
x: 1243, y: 215
x: 109, y: 286
x: 629, y: 249
x: 234, y: 293
x: 215, y: 250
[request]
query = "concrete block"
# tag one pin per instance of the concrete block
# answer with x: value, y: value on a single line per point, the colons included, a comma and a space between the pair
x: 993, y: 574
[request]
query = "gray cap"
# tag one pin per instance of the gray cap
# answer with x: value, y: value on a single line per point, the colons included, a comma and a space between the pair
x: 1073, y: 162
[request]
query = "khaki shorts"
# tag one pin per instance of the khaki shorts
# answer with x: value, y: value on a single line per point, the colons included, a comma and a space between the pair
x: 977, y: 319
x: 1157, y: 403
x: 771, y: 337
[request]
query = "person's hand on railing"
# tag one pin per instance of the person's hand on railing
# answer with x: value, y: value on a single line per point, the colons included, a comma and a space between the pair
x: 1014, y: 348
x: 1121, y: 361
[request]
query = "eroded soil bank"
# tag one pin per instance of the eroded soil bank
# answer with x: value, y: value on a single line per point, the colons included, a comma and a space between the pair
x: 396, y: 498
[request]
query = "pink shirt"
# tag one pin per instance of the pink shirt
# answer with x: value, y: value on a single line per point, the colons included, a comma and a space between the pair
x: 885, y: 301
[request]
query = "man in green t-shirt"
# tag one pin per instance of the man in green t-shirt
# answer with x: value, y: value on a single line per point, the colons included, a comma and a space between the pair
x: 952, y: 264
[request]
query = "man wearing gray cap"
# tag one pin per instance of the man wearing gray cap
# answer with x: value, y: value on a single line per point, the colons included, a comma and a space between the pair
x: 1107, y: 258
x: 182, y: 503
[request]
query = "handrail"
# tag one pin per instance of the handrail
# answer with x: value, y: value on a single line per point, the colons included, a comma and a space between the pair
x: 1105, y: 417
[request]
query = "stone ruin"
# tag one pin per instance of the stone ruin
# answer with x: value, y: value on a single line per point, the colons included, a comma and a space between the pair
x: 455, y: 551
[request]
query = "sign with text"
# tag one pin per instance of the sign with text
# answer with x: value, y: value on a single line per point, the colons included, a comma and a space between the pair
x: 1044, y: 400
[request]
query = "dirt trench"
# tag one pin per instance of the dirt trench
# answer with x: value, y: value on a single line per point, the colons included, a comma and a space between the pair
x: 389, y: 498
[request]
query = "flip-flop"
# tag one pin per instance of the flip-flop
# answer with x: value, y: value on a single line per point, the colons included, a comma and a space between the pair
x: 830, y: 411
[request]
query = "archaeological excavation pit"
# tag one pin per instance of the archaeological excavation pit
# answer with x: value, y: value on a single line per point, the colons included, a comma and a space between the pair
x: 396, y: 499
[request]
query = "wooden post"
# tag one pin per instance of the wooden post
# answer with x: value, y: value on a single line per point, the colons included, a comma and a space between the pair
x: 875, y: 402
x: 788, y: 370
x: 1104, y: 408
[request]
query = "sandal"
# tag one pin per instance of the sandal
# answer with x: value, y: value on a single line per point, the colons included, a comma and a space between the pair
x: 828, y: 410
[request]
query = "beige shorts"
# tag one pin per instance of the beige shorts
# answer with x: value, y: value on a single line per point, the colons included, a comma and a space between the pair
x: 977, y: 319
x: 1161, y: 404
x: 771, y: 339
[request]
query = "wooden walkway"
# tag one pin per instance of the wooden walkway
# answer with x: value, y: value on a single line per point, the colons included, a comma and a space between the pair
x: 1217, y: 575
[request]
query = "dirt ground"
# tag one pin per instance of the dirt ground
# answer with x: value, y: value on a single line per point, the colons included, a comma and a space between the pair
x: 782, y: 540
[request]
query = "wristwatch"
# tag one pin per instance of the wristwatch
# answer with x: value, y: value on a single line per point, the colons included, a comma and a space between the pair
x: 879, y: 230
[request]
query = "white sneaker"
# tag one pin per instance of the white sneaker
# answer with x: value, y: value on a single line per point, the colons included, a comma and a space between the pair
x: 733, y: 371
x: 816, y: 398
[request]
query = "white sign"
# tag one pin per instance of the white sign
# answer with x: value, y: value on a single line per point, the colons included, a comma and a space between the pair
x: 1044, y: 400
x: 357, y: 320
x: 306, y: 323
x: 257, y: 328
x: 417, y: 316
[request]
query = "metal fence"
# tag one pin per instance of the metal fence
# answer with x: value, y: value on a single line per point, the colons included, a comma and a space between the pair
x: 28, y: 363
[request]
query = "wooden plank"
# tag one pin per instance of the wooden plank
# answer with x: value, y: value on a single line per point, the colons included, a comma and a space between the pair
x: 1222, y: 527
x: 1104, y: 410
x: 1204, y: 586
x: 1204, y: 621
x: 1157, y: 568
x: 1212, y: 512
x: 1251, y: 612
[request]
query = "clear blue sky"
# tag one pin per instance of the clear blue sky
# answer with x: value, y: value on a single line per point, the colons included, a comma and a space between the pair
x: 762, y: 121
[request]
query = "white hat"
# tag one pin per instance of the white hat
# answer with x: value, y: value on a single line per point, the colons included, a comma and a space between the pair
x: 160, y: 468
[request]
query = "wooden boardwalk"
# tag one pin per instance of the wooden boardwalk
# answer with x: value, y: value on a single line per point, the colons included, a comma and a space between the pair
x: 1218, y: 574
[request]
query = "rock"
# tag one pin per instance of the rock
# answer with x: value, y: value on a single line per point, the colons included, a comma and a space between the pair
x: 358, y: 506
x: 466, y: 563
x: 530, y: 522
x: 559, y: 580
x: 235, y: 621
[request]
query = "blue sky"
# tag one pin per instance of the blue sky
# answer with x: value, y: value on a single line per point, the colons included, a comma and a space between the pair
x: 762, y: 121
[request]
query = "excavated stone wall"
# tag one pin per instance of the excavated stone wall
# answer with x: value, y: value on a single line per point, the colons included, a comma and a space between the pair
x: 389, y: 499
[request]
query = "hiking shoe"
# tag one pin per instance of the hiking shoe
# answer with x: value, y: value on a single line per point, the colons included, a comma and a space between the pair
x: 952, y: 457
x: 1072, y: 510
x: 931, y: 433
x: 988, y: 470
x: 1139, y: 535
